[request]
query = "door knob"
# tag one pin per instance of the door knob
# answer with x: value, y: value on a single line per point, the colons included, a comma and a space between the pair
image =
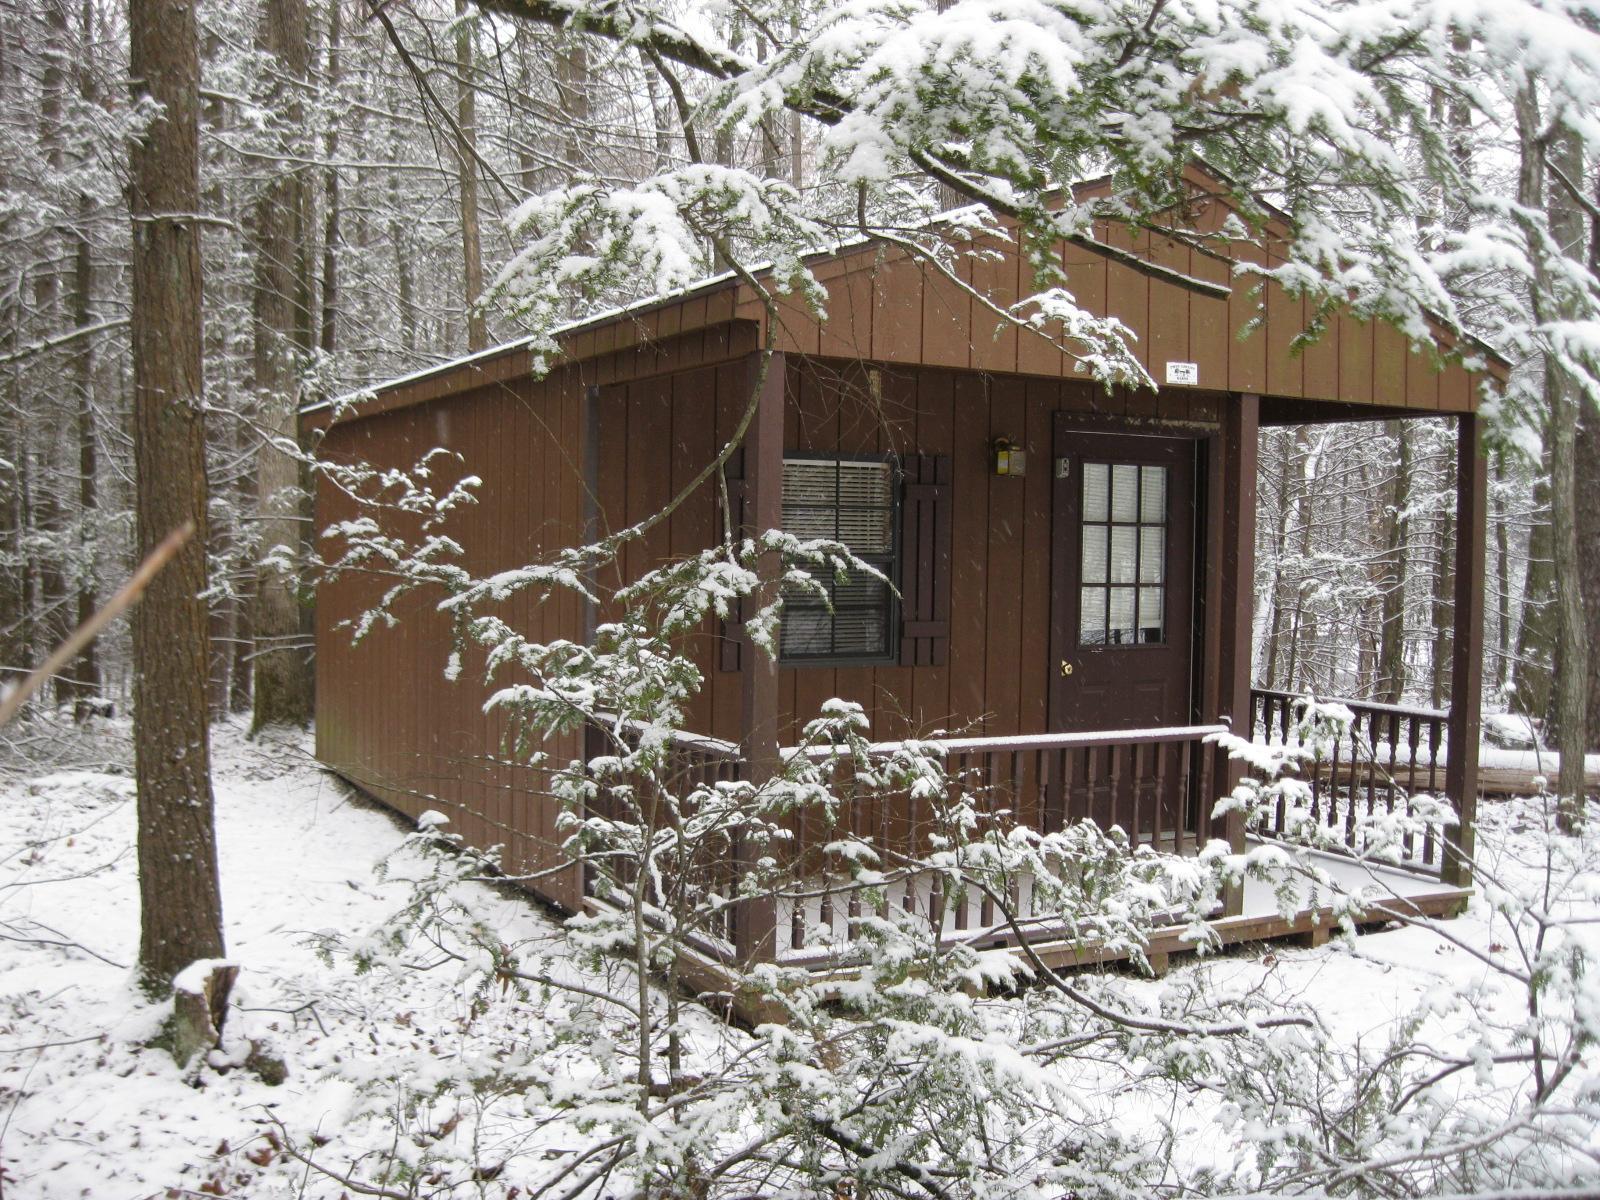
x: 1066, y: 668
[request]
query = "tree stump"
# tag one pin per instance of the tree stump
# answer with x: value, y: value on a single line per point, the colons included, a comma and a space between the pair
x: 200, y: 1006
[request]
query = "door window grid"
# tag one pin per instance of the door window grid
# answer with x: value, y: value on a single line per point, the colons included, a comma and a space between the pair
x: 1122, y: 596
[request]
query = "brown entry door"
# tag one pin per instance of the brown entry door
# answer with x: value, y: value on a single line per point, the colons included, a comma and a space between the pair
x: 1122, y: 611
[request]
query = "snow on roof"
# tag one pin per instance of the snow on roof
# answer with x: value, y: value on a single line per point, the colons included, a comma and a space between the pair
x: 596, y: 318
x: 570, y: 327
x: 726, y: 277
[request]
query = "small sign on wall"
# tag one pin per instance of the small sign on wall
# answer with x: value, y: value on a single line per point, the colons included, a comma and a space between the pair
x: 1182, y: 372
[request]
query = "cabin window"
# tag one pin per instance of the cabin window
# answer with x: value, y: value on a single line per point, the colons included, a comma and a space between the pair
x: 849, y: 500
x: 1122, y: 600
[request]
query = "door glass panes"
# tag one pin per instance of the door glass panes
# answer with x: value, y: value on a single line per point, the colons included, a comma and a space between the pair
x: 1152, y: 541
x: 1094, y: 554
x: 847, y: 616
x: 1124, y: 492
x: 1122, y: 597
x: 1152, y: 495
x: 1096, y: 491
x: 1124, y: 554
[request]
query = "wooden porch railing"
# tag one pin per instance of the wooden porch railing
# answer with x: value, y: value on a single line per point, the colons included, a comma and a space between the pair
x: 1390, y: 753
x: 1157, y: 785
x: 1154, y: 784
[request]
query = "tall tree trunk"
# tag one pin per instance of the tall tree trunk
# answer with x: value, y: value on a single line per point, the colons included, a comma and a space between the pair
x: 180, y: 901
x: 660, y: 119
x: 1396, y: 560
x: 281, y: 309
x: 1502, y: 572
x: 330, y: 232
x: 1587, y: 467
x: 49, y: 505
x: 572, y: 90
x: 405, y: 291
x: 467, y: 160
x: 1276, y: 596
x: 1534, y: 664
x: 86, y: 670
x: 1444, y: 592
x: 1563, y: 397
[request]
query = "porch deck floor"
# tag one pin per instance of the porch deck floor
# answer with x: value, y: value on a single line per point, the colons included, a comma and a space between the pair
x: 1354, y: 878
x: 1387, y: 892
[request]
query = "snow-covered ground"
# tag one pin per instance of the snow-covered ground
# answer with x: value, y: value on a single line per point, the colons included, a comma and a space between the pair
x: 87, y: 1110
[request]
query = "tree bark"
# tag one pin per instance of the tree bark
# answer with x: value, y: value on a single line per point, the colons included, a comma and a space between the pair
x: 1587, y: 467
x: 1502, y: 573
x: 467, y: 160
x: 281, y: 309
x: 86, y: 670
x: 180, y: 901
x: 1443, y: 606
x: 1533, y: 668
x: 1396, y: 560
x: 330, y: 234
x: 1563, y: 398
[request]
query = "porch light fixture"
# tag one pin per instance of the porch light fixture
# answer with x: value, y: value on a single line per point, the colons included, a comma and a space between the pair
x: 1009, y: 459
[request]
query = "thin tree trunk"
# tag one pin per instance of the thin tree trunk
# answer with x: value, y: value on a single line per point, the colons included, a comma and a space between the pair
x: 1280, y: 546
x: 282, y: 676
x: 1303, y: 513
x: 1534, y: 666
x: 330, y: 234
x: 180, y: 901
x: 467, y: 160
x: 1502, y: 575
x: 399, y: 240
x: 86, y: 671
x: 662, y: 140
x: 1443, y: 605
x: 54, y: 621
x: 1587, y: 467
x: 1396, y: 561
x: 1563, y: 398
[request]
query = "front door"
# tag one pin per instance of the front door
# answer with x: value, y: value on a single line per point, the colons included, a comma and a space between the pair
x: 1122, y: 609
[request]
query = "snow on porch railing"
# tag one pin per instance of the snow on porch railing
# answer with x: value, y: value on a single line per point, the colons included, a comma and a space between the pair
x: 1154, y: 784
x: 1389, y: 754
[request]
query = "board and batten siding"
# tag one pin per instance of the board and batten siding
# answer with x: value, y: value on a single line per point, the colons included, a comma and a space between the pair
x: 885, y: 306
x: 908, y: 363
x: 388, y: 719
x: 994, y: 676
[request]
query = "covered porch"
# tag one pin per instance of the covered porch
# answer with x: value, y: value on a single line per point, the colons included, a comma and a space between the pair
x: 1157, y: 784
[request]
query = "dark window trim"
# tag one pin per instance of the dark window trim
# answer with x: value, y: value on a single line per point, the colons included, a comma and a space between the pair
x: 891, y: 654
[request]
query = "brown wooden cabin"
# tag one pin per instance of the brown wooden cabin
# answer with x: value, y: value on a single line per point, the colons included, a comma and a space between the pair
x: 1080, y: 624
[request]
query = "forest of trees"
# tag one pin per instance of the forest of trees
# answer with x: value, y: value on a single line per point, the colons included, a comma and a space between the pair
x: 363, y: 176
x: 217, y: 214
x: 356, y: 176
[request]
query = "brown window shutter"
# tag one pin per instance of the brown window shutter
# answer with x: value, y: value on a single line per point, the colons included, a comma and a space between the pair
x: 731, y: 629
x: 925, y: 560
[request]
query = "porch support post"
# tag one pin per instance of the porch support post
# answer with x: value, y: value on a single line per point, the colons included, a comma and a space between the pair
x: 1241, y: 426
x: 763, y: 481
x: 1466, y: 648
